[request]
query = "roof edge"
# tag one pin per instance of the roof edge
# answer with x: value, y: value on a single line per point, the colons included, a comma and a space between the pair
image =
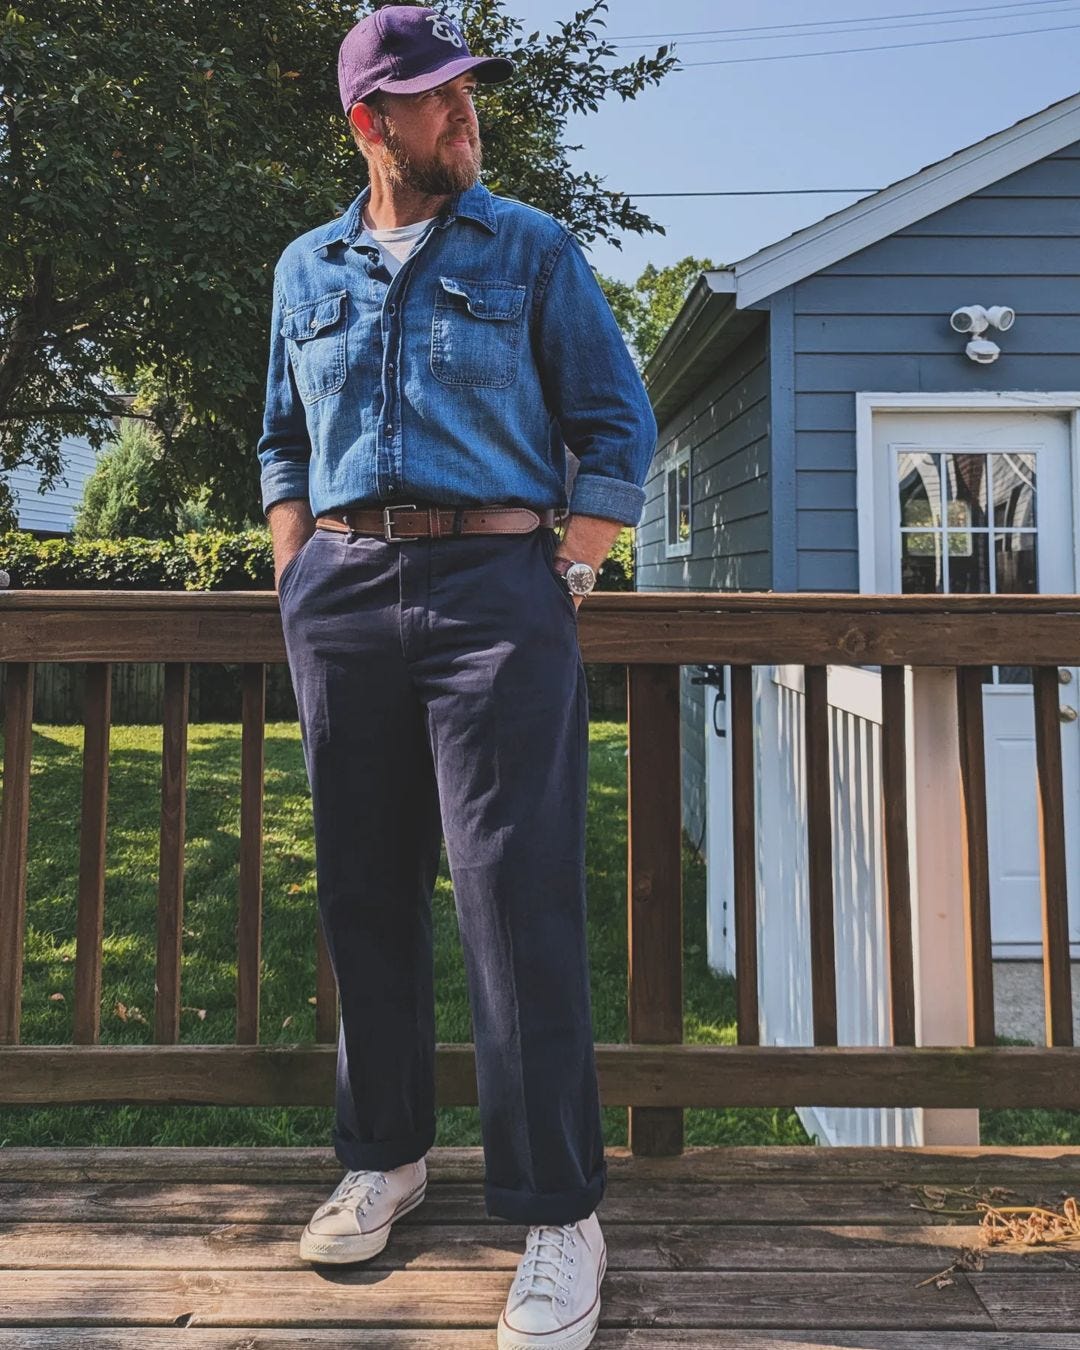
x: 930, y: 189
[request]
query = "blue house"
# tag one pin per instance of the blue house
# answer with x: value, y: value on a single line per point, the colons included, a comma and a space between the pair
x: 49, y: 513
x: 885, y: 401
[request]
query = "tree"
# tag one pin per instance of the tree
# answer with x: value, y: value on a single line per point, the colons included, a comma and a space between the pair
x: 155, y: 161
x: 129, y: 492
x: 647, y: 309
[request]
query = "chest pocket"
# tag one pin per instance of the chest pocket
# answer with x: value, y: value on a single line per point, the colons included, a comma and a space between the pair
x: 315, y: 335
x: 476, y: 331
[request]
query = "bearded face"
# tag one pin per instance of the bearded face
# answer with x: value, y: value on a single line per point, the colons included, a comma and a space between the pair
x: 453, y: 165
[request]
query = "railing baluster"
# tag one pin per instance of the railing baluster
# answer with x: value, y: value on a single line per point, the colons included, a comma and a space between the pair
x: 249, y: 891
x: 744, y: 853
x: 820, y: 855
x: 14, y: 823
x: 976, y: 856
x: 171, y: 852
x: 654, y: 890
x: 326, y: 995
x: 90, y: 921
x: 897, y: 858
x: 1057, y: 974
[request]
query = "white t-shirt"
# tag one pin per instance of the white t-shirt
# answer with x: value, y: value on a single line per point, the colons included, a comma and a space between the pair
x: 395, y: 242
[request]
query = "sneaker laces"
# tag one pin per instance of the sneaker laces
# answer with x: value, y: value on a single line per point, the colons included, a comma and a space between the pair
x: 545, y: 1249
x: 354, y: 1187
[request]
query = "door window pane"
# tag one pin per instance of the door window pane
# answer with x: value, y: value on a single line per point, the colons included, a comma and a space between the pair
x: 969, y: 561
x: 920, y: 563
x: 1014, y: 489
x: 920, y: 489
x: 966, y: 480
x: 1014, y: 551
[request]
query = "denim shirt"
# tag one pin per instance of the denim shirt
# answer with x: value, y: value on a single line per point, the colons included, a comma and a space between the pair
x: 462, y: 379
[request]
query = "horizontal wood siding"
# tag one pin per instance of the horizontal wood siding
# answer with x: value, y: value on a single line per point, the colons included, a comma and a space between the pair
x: 880, y: 320
x: 54, y: 509
x: 726, y: 426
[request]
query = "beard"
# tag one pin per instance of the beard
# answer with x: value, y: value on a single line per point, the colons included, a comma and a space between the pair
x: 431, y: 174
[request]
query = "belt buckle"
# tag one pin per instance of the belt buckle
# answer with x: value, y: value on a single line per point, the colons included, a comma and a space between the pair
x: 388, y: 524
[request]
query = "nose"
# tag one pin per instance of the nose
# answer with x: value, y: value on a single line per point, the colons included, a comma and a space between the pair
x: 462, y: 110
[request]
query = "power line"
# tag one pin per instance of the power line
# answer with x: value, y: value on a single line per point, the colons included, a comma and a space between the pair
x: 867, y: 28
x: 750, y: 192
x: 887, y: 47
x: 817, y: 23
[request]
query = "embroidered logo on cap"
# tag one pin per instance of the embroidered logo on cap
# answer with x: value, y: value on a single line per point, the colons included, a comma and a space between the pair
x: 442, y: 29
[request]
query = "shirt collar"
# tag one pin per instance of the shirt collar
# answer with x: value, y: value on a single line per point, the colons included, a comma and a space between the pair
x: 473, y: 204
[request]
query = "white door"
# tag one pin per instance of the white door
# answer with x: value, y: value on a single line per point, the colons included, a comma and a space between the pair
x: 983, y: 502
x: 719, y: 862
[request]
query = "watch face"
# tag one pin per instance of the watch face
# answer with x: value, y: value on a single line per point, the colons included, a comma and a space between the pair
x: 580, y: 578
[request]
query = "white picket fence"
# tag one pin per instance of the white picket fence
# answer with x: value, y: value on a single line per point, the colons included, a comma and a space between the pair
x: 784, y: 979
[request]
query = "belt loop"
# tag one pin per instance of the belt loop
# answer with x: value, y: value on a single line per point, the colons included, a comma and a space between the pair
x: 459, y: 511
x: 434, y: 523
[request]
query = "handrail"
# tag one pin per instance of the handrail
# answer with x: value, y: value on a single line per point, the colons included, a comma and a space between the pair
x: 653, y: 634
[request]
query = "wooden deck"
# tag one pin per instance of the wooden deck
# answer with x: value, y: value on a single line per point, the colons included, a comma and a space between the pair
x: 150, y: 1249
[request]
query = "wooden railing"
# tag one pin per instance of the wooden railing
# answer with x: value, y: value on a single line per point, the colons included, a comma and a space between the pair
x: 655, y: 1075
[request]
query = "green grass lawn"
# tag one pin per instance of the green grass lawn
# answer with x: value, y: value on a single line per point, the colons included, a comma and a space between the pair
x: 289, y: 931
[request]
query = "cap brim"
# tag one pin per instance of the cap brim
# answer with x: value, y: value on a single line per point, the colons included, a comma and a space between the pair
x: 488, y: 69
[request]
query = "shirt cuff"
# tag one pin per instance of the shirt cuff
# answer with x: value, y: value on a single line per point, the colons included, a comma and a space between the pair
x: 282, y: 482
x: 612, y: 498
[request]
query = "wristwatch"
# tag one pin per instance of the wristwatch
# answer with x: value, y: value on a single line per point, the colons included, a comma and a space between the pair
x: 578, y: 576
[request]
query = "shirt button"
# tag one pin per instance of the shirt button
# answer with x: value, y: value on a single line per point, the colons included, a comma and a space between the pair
x: 393, y: 309
x: 389, y: 429
x: 390, y: 368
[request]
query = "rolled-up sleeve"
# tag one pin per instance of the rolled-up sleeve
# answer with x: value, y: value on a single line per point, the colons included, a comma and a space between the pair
x: 592, y: 387
x: 284, y: 448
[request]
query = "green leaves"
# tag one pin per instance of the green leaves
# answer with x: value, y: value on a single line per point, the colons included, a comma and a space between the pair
x: 163, y: 159
x: 646, y: 310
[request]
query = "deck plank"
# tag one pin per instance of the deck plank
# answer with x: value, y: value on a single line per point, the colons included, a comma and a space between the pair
x: 607, y: 1338
x: 741, y: 1249
x: 408, y: 1298
x: 422, y: 1246
x: 955, y: 1164
x: 1029, y: 1302
x: 451, y: 1202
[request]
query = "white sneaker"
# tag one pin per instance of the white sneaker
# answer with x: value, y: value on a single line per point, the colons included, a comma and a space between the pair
x: 554, y: 1301
x: 355, y: 1222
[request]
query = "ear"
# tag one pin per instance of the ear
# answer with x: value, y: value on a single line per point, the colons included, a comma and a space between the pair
x: 366, y: 121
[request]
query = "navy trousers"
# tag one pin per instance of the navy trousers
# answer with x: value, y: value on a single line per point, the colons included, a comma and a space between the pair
x: 441, y: 693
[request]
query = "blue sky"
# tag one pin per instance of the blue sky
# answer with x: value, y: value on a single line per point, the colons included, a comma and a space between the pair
x: 857, y: 120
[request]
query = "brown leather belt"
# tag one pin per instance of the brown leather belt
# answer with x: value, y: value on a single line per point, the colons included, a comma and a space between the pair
x: 410, y: 521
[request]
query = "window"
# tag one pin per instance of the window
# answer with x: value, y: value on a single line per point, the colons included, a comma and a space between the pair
x: 967, y: 523
x: 677, y: 503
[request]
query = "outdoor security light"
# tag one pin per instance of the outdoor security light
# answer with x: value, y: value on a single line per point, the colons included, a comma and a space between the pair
x: 970, y: 319
x: 983, y: 351
x: 976, y: 319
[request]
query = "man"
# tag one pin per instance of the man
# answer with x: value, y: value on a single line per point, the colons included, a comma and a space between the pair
x: 433, y: 353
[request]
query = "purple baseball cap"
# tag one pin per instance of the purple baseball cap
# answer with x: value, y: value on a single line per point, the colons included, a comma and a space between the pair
x: 406, y: 49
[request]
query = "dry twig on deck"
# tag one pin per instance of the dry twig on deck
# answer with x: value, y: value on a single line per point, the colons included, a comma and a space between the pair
x: 1033, y: 1225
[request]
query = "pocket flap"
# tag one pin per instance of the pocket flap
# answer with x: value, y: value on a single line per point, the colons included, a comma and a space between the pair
x: 307, y: 320
x: 487, y: 299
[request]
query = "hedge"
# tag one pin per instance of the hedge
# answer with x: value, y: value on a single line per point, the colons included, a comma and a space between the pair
x: 207, y: 560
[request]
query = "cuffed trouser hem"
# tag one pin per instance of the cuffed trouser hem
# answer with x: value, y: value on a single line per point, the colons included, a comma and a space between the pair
x: 554, y: 1207
x: 383, y: 1154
